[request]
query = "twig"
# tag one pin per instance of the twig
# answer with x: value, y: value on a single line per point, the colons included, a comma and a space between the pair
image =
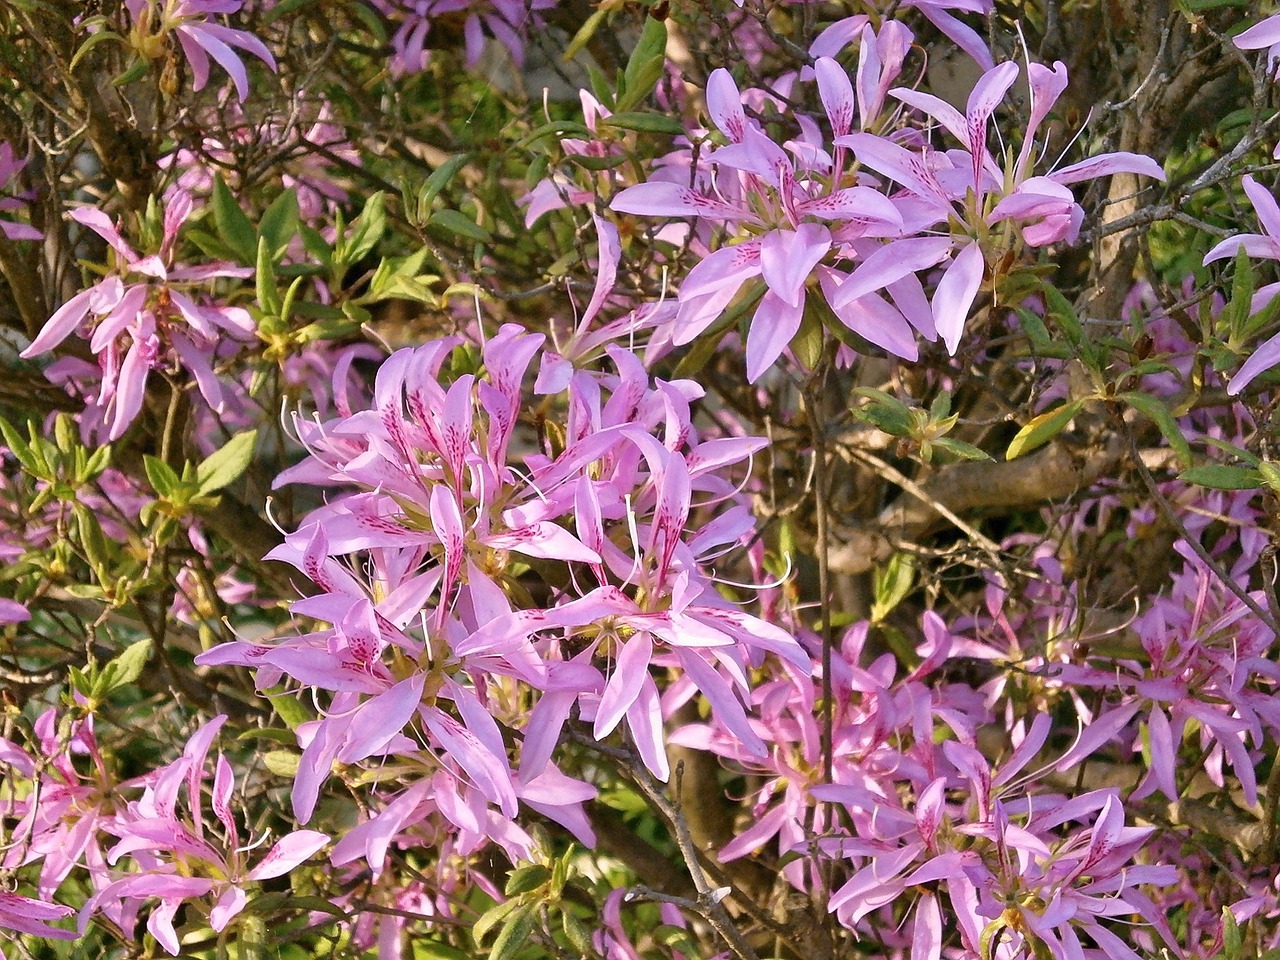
x: 709, y: 899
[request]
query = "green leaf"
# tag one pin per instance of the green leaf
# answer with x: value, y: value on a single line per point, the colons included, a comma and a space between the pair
x: 367, y: 229
x: 372, y: 21
x: 891, y: 584
x: 645, y: 66
x: 92, y: 540
x: 1242, y: 287
x: 557, y: 128
x: 284, y: 8
x: 1232, y: 941
x: 234, y: 228
x: 531, y: 876
x: 578, y: 935
x: 279, y: 223
x: 674, y: 937
x: 958, y: 448
x: 885, y: 412
x: 1040, y: 430
x: 126, y: 668
x: 645, y: 123
x: 810, y: 340
x: 491, y: 918
x: 1270, y: 474
x: 93, y: 41
x: 283, y: 763
x: 1064, y: 316
x: 456, y: 222
x: 286, y: 738
x: 18, y: 446
x: 265, y: 285
x: 1155, y: 411
x: 434, y: 950
x: 98, y: 461
x: 225, y: 465
x: 161, y: 476
x: 136, y: 71
x: 584, y: 34
x: 438, y: 180
x: 289, y: 709
x: 514, y: 934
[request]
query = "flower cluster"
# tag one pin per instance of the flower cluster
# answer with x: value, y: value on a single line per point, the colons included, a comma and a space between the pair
x: 507, y: 21
x: 802, y: 214
x: 146, y: 315
x: 437, y: 657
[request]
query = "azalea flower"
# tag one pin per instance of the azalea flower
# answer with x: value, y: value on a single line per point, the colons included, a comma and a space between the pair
x: 970, y: 186
x: 1265, y: 33
x: 177, y: 855
x: 507, y: 21
x: 141, y: 317
x: 10, y: 167
x: 28, y: 915
x: 200, y: 39
x: 1266, y: 246
x: 788, y: 212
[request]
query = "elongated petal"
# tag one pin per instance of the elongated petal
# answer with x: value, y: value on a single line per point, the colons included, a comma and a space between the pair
x: 937, y: 108
x: 963, y: 35
x: 1262, y: 359
x: 724, y: 103
x: 1092, y: 737
x: 227, y: 907
x: 890, y: 263
x: 61, y: 325
x: 788, y: 257
x: 658, y: 199
x: 644, y: 719
x: 288, y: 852
x: 629, y: 673
x: 874, y: 320
x: 926, y: 938
x: 861, y: 204
x: 1263, y: 34
x: 102, y: 225
x: 728, y: 709
x: 1255, y: 245
x: 899, y: 164
x: 197, y: 58
x: 986, y: 96
x: 610, y: 250
x: 130, y: 389
x: 315, y: 766
x: 955, y: 294
x: 380, y: 719
x: 1046, y: 85
x: 1106, y: 164
x: 774, y: 324
x: 1264, y: 205
x: 837, y: 94
x: 200, y: 35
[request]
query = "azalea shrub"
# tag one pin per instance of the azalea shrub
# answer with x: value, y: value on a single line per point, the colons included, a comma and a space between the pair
x: 671, y: 480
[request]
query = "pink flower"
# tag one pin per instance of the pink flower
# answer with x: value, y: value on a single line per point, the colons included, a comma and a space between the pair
x: 1265, y: 33
x: 790, y: 213
x: 507, y: 21
x: 27, y: 915
x: 200, y: 39
x: 178, y: 857
x: 1266, y: 246
x: 10, y: 167
x: 141, y: 317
